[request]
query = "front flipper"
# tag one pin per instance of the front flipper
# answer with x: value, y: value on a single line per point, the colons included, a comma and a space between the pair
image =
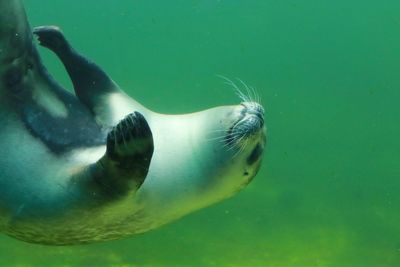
x: 126, y: 162
x: 90, y: 82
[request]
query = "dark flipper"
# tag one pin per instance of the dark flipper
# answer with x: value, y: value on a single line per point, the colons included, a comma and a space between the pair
x: 125, y: 165
x: 89, y: 80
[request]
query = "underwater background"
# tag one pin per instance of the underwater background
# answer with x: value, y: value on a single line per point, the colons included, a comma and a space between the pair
x: 328, y: 73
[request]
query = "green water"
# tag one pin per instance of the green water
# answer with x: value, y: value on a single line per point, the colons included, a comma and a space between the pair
x: 328, y: 74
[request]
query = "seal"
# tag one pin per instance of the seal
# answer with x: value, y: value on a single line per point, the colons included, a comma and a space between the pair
x: 97, y: 165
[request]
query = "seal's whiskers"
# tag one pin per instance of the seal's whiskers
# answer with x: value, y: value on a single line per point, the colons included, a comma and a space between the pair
x: 241, y: 149
x: 251, y: 93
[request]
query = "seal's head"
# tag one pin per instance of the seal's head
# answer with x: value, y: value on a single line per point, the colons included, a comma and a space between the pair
x: 239, y: 141
x: 202, y: 158
x: 247, y: 137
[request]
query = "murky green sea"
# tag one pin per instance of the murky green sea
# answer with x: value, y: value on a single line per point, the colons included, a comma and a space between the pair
x: 328, y: 194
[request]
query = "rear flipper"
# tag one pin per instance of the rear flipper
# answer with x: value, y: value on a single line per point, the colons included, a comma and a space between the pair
x: 90, y: 82
x: 125, y: 165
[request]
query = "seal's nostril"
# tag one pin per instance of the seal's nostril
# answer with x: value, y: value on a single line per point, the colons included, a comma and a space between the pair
x: 260, y: 116
x: 259, y: 112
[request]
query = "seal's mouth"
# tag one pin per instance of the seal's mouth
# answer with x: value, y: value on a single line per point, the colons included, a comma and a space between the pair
x: 249, y: 124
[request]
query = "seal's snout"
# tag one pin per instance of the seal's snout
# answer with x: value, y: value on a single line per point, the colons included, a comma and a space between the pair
x: 252, y: 117
x: 254, y: 109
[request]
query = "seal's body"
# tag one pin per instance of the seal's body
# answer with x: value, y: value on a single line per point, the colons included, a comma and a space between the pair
x: 97, y: 165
